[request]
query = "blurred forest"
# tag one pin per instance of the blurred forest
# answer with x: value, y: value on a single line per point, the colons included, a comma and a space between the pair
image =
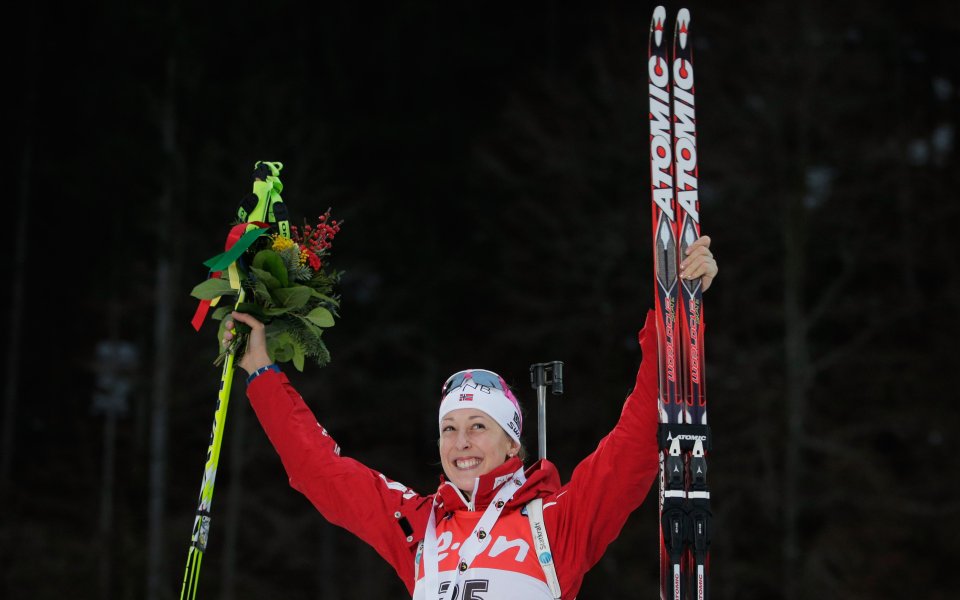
x: 491, y: 164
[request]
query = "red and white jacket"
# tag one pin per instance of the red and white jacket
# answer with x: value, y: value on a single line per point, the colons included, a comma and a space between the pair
x: 581, y: 517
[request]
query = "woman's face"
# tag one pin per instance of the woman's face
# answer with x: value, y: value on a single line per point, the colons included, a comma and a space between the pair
x: 472, y: 444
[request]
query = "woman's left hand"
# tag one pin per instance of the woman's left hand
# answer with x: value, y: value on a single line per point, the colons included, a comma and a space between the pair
x: 700, y: 262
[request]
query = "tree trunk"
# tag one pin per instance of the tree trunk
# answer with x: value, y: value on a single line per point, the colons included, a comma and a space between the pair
x: 106, y: 505
x: 163, y: 348
x: 796, y: 316
x: 328, y: 584
x: 797, y: 366
x: 14, y: 333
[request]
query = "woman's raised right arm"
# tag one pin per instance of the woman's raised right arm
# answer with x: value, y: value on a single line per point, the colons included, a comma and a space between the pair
x: 383, y: 513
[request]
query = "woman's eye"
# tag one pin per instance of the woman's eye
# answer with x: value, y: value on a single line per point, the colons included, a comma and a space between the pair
x: 479, y: 426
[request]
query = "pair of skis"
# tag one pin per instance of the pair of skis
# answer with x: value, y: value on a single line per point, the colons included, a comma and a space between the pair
x: 684, y: 434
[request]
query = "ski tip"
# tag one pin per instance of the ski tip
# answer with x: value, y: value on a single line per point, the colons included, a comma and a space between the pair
x: 683, y: 25
x: 656, y: 25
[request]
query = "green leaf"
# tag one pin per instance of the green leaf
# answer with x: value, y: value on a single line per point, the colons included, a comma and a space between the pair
x: 276, y: 311
x: 325, y: 298
x: 298, y: 357
x: 278, y: 326
x: 308, y: 334
x: 280, y: 347
x: 221, y: 312
x: 269, y: 260
x: 213, y: 288
x: 321, y: 317
x: 267, y: 278
x: 292, y: 297
x: 310, y: 328
x: 261, y: 294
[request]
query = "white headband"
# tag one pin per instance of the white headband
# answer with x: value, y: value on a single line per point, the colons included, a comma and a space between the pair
x: 501, y: 408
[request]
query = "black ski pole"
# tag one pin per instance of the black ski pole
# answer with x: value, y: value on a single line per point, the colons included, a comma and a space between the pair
x: 541, y: 376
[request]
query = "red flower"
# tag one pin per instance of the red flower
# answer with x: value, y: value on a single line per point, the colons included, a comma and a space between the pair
x: 313, y: 259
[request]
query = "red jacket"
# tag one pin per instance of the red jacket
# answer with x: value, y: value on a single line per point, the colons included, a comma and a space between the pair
x: 581, y: 517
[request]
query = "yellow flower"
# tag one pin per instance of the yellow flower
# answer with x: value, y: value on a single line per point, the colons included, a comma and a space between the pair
x: 281, y: 243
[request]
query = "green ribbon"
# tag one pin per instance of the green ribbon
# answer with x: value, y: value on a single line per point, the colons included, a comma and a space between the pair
x: 222, y: 261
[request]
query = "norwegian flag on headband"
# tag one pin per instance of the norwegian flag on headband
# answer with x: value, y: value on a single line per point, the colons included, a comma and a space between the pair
x: 466, y: 397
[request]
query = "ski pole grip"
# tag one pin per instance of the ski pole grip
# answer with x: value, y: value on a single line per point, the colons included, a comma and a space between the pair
x: 547, y: 373
x: 557, y: 377
x: 538, y: 376
x: 261, y: 172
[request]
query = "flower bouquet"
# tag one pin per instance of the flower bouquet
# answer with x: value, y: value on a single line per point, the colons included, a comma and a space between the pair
x: 286, y: 283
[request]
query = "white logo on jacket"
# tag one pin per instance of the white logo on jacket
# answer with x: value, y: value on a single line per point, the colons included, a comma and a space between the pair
x: 397, y: 486
x: 501, y: 545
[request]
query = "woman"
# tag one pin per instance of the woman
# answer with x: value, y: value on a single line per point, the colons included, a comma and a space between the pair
x: 473, y: 539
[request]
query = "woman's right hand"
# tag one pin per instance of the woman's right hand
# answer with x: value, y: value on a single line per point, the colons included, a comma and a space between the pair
x: 256, y: 356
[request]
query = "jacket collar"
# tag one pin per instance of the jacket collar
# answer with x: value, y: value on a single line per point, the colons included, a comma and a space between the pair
x: 542, y: 479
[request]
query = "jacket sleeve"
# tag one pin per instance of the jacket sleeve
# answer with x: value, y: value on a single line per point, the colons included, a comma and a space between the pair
x: 383, y: 513
x: 612, y: 481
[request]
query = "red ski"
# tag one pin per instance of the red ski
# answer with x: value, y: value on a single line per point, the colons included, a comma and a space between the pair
x: 684, y: 435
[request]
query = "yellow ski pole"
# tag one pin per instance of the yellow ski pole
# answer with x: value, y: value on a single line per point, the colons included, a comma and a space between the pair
x: 268, y: 206
x: 201, y: 521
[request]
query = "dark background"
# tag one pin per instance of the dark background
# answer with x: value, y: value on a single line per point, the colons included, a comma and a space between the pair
x: 490, y: 162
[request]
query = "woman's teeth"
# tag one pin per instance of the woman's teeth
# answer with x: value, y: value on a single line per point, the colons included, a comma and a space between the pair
x: 467, y: 463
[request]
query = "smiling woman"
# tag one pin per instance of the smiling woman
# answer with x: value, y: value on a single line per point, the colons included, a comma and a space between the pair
x: 471, y: 444
x: 483, y: 534
x: 480, y: 425
x: 473, y: 535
